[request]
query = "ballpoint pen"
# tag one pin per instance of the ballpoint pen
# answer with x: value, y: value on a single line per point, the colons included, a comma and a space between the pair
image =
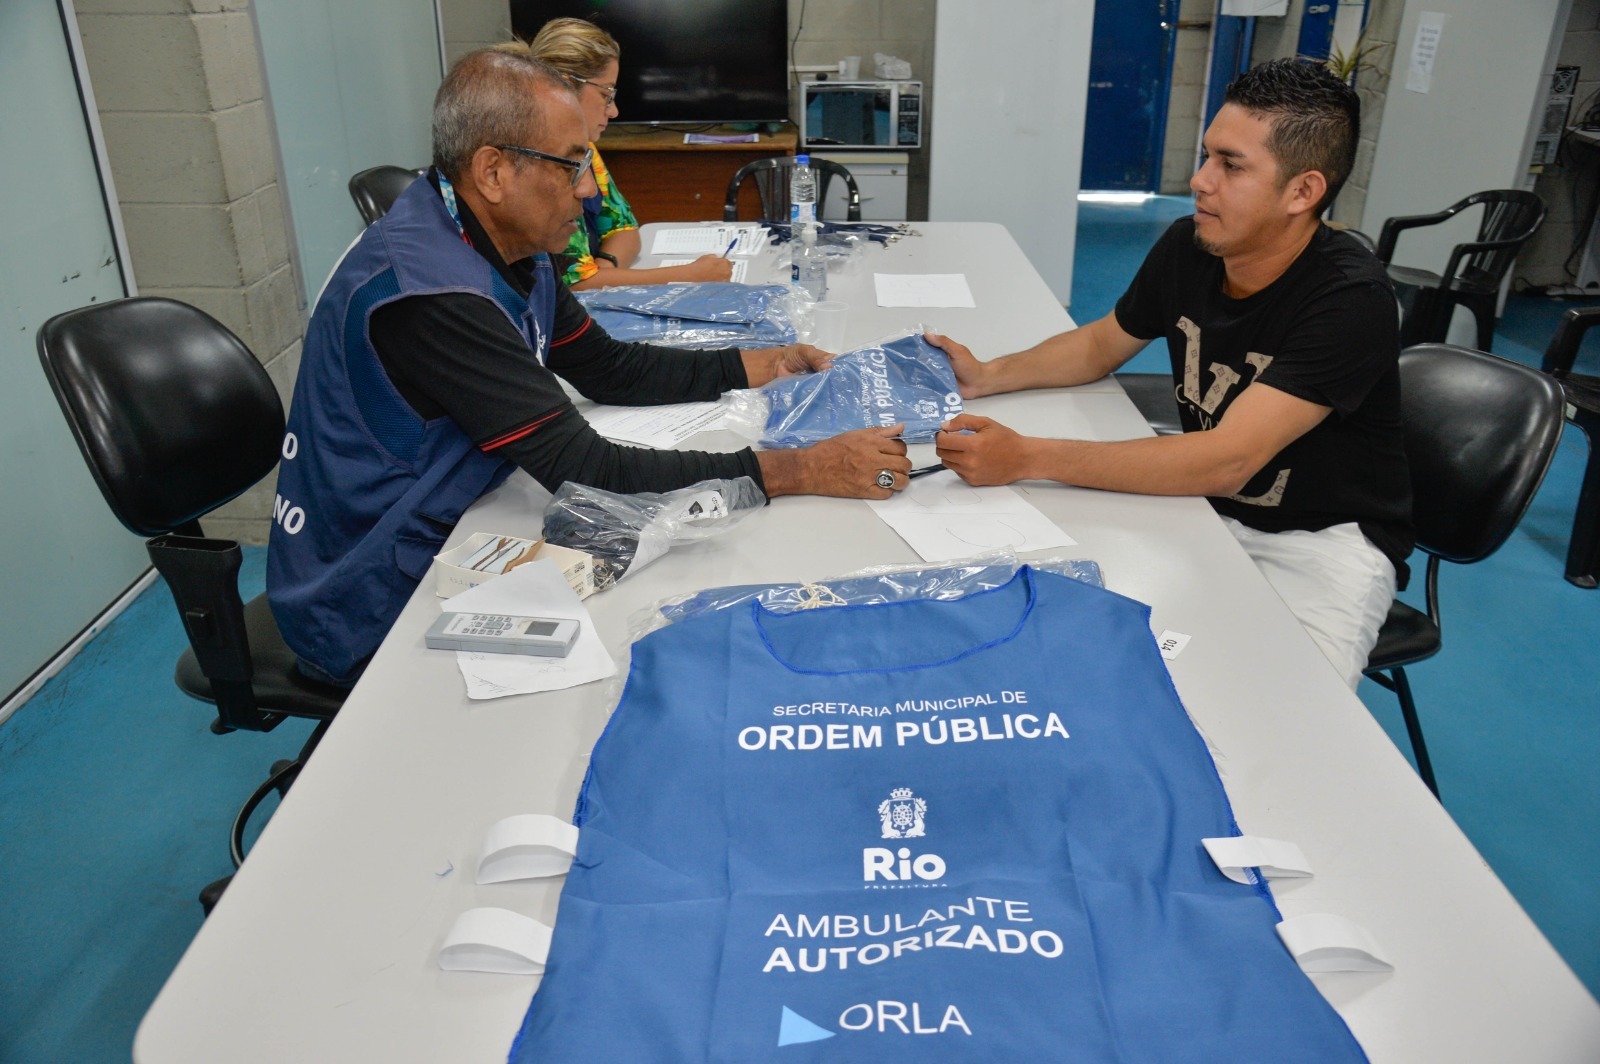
x: 730, y: 247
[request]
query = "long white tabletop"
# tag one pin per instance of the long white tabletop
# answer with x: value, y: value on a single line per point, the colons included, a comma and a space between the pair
x: 323, y: 948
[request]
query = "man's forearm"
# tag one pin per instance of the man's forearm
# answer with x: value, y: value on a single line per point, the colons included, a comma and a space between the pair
x: 1075, y: 357
x: 1188, y: 464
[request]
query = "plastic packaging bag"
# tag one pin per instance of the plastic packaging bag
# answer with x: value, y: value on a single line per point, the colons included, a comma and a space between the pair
x: 625, y: 533
x: 878, y: 583
x: 693, y: 314
x: 900, y: 379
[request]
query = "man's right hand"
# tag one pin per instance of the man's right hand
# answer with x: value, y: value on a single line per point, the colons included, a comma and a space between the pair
x: 845, y: 467
x: 971, y: 375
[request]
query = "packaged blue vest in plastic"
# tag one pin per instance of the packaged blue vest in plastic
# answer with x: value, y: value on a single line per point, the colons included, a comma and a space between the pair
x: 928, y: 831
x: 709, y: 314
x: 903, y: 379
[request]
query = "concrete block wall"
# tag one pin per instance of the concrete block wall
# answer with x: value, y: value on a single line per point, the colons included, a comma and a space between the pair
x: 1186, y: 98
x: 189, y: 141
x: 1569, y: 187
x: 832, y: 30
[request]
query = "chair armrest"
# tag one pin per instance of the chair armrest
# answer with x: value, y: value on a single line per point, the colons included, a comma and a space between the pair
x: 1461, y: 251
x: 1563, y: 349
x: 1389, y: 235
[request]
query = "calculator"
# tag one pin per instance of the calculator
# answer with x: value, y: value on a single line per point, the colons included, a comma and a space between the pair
x: 503, y: 633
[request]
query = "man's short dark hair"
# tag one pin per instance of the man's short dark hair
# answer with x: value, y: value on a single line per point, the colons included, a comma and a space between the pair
x: 1315, y: 118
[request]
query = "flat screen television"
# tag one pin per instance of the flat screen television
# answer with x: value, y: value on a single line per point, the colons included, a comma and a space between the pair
x: 688, y: 61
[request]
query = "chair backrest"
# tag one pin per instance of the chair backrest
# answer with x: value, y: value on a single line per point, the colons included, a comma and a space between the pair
x: 172, y: 412
x: 375, y: 190
x: 771, y: 178
x: 1509, y: 214
x: 1480, y: 433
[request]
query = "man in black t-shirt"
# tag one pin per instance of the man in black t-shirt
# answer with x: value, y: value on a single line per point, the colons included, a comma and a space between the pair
x: 1284, y: 345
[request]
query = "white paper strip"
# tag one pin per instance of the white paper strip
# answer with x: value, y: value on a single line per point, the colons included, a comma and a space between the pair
x: 922, y: 290
x: 528, y: 846
x: 1323, y: 942
x: 1275, y: 858
x: 495, y: 940
x: 1171, y: 643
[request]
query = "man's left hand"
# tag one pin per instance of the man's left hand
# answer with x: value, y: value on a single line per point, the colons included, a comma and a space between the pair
x: 982, y: 451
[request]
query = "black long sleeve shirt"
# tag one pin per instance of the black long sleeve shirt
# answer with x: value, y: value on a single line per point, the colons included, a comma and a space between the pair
x: 457, y: 355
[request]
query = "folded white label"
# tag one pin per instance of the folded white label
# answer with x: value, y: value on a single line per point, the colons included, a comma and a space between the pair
x: 527, y: 846
x: 1276, y: 859
x: 1171, y: 643
x: 495, y: 940
x: 1323, y: 942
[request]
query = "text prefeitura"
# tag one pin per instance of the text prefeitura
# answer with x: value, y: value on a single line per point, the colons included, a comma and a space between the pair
x: 933, y: 730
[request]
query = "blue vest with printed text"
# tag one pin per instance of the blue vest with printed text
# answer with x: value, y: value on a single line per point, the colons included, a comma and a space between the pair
x: 368, y: 490
x: 924, y: 831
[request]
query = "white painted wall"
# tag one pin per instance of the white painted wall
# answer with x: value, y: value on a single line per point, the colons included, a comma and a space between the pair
x: 1473, y: 130
x: 1011, y: 97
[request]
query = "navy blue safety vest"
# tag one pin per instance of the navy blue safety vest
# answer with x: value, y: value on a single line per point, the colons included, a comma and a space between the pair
x: 367, y: 490
x: 920, y: 831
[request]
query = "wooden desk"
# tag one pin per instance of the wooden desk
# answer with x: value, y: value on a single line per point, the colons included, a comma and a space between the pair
x: 666, y: 180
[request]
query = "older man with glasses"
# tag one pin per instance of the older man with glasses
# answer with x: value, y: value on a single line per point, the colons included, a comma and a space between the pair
x: 430, y: 371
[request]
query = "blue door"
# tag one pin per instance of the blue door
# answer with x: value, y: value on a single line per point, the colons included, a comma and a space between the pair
x: 1130, y: 73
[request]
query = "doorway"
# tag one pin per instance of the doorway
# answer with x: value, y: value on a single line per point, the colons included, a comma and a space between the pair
x: 1130, y: 80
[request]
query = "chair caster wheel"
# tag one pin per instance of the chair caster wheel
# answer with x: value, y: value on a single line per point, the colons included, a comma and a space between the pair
x: 211, y: 893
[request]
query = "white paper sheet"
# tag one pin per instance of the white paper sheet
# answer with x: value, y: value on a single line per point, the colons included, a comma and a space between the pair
x: 747, y: 239
x: 943, y: 518
x: 535, y: 589
x: 656, y: 426
x: 1424, y: 51
x: 923, y: 290
x: 741, y: 267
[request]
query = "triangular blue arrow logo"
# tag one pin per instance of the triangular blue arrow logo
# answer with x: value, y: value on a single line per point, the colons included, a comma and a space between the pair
x: 795, y: 1028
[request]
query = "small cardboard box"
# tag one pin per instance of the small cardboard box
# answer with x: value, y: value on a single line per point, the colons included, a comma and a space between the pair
x: 451, y: 577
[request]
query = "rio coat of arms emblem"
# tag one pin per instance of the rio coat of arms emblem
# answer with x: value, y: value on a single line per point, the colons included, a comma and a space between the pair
x: 901, y: 814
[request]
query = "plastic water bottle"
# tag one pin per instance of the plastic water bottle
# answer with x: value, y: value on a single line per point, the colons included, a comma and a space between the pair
x: 802, y: 194
x: 809, y: 268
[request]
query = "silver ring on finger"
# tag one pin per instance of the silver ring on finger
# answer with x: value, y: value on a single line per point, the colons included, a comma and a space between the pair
x: 886, y: 478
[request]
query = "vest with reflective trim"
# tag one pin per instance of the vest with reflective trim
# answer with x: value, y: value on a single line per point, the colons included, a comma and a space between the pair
x: 367, y: 489
x: 927, y: 831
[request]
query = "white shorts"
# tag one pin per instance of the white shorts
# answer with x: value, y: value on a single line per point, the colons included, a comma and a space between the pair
x: 1336, y: 583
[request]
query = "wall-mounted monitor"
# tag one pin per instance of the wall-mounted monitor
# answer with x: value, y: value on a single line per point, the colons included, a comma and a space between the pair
x: 693, y: 61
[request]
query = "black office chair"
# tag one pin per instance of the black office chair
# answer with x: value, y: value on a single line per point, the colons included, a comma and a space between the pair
x: 1153, y: 394
x: 1480, y: 432
x: 1583, y: 410
x: 771, y: 178
x: 375, y: 190
x: 175, y: 417
x: 1473, y: 275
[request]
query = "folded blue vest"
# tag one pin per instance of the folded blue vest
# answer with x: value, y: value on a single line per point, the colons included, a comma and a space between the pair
x: 905, y: 380
x: 918, y: 831
x: 694, y: 314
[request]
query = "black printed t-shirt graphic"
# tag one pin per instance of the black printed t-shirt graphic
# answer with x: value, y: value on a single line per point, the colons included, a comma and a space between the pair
x: 1326, y: 332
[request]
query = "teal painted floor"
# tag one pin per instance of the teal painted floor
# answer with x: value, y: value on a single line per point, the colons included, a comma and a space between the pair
x: 115, y: 798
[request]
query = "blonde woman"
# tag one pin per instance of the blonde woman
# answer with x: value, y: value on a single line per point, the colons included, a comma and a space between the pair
x: 602, y: 252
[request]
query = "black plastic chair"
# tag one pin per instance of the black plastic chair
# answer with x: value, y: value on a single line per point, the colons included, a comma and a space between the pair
x: 1583, y: 410
x: 1480, y: 432
x: 1473, y: 275
x: 175, y: 417
x: 375, y: 190
x: 771, y: 177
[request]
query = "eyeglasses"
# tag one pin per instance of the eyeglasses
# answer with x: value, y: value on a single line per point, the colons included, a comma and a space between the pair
x: 579, y: 167
x: 607, y: 91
